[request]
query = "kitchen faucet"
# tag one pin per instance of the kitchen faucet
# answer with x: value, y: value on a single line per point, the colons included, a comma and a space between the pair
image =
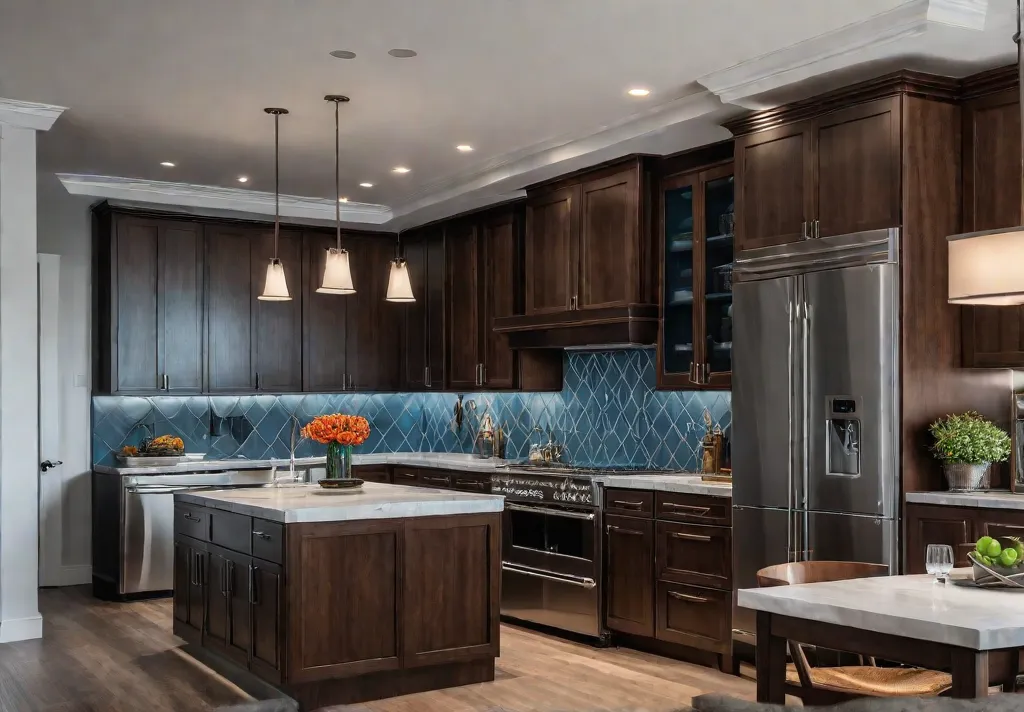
x: 292, y: 477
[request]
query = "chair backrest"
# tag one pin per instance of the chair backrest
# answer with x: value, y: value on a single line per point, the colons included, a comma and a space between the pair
x: 817, y: 571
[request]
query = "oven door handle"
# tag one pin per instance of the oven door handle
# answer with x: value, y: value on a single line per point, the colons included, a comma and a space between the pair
x: 581, y: 581
x: 588, y: 516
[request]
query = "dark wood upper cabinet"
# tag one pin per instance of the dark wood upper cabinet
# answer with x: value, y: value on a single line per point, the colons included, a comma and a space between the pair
x: 552, y: 239
x: 774, y: 185
x: 993, y: 337
x: 371, y: 351
x: 500, y: 243
x: 423, y: 339
x: 609, y: 259
x: 324, y: 320
x: 463, y: 246
x: 150, y: 315
x: 629, y: 575
x: 831, y: 175
x: 277, y: 326
x: 229, y: 306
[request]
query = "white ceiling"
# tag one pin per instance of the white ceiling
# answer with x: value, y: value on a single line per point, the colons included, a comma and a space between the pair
x: 535, y: 86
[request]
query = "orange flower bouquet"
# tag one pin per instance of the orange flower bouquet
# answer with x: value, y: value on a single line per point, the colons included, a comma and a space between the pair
x: 339, y: 433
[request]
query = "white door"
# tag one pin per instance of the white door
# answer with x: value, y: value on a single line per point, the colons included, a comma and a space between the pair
x: 51, y: 482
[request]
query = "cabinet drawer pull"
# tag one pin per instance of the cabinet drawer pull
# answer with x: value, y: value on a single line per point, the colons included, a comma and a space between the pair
x: 620, y: 530
x: 470, y: 483
x: 631, y: 505
x: 188, y: 516
x: 700, y: 511
x: 687, y: 597
x: 690, y: 537
x: 262, y: 535
x: 253, y: 598
x: 229, y: 575
x: 442, y: 480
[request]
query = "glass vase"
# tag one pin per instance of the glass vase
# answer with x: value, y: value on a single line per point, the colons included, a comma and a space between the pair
x: 339, y: 461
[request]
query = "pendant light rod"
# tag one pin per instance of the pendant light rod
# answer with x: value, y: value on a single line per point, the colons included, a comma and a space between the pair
x: 276, y: 113
x: 338, y: 100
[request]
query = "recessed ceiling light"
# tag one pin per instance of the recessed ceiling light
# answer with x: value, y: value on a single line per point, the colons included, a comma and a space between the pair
x: 243, y: 179
x: 167, y: 164
x: 465, y: 148
x: 639, y: 92
x: 366, y: 185
x: 400, y: 169
x: 402, y: 53
x: 342, y: 200
x: 343, y: 54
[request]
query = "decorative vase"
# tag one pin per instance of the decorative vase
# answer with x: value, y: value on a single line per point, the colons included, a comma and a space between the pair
x: 965, y: 477
x: 339, y: 461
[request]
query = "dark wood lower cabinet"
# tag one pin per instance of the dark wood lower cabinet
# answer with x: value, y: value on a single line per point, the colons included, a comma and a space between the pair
x: 629, y: 553
x: 695, y: 617
x: 935, y: 524
x: 358, y: 610
x: 373, y: 473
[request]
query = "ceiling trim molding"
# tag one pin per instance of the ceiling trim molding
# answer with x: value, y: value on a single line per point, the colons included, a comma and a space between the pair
x: 840, y: 48
x: 28, y: 114
x: 556, y: 151
x: 212, y: 198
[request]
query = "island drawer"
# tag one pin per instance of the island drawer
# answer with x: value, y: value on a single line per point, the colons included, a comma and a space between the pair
x: 631, y: 503
x: 372, y: 473
x: 231, y: 530
x: 695, y: 554
x: 406, y: 476
x: 697, y: 617
x: 268, y: 540
x: 192, y: 520
x: 472, y: 482
x: 695, y: 508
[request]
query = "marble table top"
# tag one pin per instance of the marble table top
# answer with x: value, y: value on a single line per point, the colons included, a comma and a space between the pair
x: 999, y: 499
x: 908, y: 606
x: 304, y: 503
x: 682, y: 483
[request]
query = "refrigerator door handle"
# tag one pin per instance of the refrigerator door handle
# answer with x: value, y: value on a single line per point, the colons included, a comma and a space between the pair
x: 805, y: 406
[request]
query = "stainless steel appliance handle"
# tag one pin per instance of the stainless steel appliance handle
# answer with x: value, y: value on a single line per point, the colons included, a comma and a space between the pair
x: 687, y: 597
x: 165, y: 489
x: 690, y: 537
x: 581, y: 581
x: 588, y: 516
x: 806, y: 405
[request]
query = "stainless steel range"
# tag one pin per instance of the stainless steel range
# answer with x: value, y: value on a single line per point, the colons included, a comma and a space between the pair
x: 552, y: 557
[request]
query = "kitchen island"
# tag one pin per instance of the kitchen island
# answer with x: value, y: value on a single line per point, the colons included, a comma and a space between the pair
x: 340, y: 598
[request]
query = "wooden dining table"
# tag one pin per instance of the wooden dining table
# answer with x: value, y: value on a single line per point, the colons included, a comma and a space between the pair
x: 975, y: 634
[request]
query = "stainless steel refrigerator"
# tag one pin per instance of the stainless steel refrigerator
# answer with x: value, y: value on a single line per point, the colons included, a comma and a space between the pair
x: 815, y: 405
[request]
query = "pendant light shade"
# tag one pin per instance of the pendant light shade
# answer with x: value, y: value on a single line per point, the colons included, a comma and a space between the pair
x: 399, y: 286
x: 985, y: 267
x: 337, y: 270
x: 337, y: 273
x: 275, y: 289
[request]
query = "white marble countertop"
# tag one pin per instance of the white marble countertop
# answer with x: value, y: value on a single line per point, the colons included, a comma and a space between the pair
x: 910, y: 606
x: 1000, y: 499
x: 304, y: 503
x: 412, y: 459
x: 682, y: 483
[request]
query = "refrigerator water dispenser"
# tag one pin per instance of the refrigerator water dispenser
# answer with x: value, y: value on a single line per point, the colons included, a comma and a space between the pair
x: 844, y: 428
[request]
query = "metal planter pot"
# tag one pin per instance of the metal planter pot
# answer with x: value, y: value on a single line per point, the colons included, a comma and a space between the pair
x: 964, y: 477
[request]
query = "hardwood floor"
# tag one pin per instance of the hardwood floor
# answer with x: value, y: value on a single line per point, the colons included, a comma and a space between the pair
x: 98, y: 656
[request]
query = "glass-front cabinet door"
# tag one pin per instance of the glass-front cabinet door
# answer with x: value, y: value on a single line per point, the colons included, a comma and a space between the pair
x: 697, y: 227
x: 676, y: 343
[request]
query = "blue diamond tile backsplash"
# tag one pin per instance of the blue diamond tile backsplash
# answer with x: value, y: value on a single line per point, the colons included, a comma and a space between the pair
x: 607, y: 413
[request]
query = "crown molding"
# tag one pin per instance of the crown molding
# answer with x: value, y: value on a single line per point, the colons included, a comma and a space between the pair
x: 29, y: 115
x: 528, y: 165
x: 840, y: 48
x: 207, y: 197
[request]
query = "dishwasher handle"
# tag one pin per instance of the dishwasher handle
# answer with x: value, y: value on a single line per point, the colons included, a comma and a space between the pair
x: 164, y: 489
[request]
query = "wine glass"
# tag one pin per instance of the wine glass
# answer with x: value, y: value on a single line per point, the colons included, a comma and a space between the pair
x: 939, y: 561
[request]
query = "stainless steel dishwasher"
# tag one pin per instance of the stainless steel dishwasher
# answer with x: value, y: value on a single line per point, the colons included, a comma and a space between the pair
x: 133, y: 527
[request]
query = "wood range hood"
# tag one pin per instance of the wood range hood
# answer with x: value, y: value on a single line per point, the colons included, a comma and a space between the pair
x: 616, y: 327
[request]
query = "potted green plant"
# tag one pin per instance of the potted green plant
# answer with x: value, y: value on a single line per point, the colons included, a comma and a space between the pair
x: 967, y: 445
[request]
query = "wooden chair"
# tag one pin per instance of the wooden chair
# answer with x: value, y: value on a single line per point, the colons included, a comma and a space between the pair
x: 828, y: 685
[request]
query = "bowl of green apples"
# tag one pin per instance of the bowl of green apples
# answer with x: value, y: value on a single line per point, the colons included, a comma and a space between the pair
x: 998, y: 562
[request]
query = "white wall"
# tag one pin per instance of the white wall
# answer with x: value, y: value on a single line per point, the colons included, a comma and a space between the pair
x: 65, y: 228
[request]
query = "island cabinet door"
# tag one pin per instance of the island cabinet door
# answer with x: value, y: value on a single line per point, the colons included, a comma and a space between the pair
x: 451, y: 582
x: 343, y: 598
x: 266, y: 599
x: 227, y: 606
x: 190, y: 575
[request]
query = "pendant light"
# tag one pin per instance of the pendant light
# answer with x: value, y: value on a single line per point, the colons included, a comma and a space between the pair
x: 275, y: 289
x: 399, y: 286
x: 985, y: 267
x: 337, y: 271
